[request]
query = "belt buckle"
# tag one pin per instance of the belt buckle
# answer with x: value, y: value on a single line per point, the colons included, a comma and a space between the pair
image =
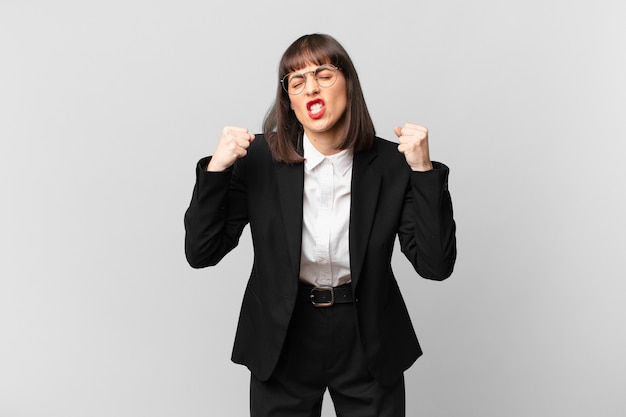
x: 325, y: 303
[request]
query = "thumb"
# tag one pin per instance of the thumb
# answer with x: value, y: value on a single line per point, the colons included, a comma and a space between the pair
x: 398, y: 131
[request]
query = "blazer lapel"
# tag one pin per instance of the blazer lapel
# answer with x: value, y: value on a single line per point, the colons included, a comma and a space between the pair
x: 290, y: 180
x: 365, y: 189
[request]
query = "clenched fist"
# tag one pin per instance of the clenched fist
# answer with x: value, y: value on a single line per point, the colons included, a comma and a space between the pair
x: 414, y: 145
x: 233, y: 145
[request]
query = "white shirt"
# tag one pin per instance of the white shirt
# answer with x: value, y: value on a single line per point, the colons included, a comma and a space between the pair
x: 325, y: 257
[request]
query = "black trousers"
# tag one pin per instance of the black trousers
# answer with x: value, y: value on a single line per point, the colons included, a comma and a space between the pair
x: 322, y: 351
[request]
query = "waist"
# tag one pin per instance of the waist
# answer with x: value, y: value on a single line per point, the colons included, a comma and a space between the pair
x: 326, y: 296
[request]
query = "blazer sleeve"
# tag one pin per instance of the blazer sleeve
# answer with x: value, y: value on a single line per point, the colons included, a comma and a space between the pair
x: 427, y: 228
x: 216, y: 215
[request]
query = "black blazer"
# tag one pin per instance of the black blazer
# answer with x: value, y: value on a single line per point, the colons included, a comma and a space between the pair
x: 388, y: 199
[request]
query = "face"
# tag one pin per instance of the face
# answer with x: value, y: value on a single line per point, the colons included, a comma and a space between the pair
x: 320, y: 110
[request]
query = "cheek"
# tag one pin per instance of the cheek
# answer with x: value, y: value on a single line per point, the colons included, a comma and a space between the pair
x: 295, y: 104
x: 341, y: 97
x: 342, y: 103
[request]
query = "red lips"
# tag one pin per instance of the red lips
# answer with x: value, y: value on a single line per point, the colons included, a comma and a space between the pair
x: 316, y: 108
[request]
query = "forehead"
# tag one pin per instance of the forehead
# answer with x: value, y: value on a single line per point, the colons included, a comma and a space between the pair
x: 306, y: 59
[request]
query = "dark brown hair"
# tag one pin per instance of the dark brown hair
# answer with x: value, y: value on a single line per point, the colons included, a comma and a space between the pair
x: 281, y: 127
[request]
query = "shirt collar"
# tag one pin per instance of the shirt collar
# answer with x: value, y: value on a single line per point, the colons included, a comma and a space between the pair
x: 342, y: 161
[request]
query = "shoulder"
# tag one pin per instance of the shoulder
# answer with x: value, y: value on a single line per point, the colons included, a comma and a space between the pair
x: 387, y: 153
x: 258, y: 152
x: 258, y: 162
x: 383, y: 158
x: 384, y: 146
x: 259, y: 144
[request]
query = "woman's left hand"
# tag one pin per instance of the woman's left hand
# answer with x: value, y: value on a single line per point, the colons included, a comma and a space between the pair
x: 414, y: 145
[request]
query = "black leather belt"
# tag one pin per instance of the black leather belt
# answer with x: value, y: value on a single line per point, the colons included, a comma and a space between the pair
x: 327, y: 296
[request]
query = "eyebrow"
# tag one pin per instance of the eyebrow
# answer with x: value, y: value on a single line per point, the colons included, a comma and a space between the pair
x: 306, y: 72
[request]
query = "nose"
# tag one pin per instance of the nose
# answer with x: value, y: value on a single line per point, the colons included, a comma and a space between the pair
x: 311, y: 86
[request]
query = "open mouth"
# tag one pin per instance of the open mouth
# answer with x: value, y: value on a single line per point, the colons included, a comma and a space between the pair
x: 316, y: 108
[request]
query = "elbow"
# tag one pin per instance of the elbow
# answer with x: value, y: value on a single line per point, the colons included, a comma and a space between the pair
x: 441, y: 270
x: 197, y: 259
x: 447, y: 260
x: 194, y: 262
x: 201, y: 253
x: 199, y: 264
x: 435, y: 274
x: 439, y: 274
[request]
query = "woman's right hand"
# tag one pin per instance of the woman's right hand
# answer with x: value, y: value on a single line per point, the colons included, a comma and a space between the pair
x: 233, y: 145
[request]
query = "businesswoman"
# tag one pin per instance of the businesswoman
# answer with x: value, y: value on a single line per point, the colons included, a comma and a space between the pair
x: 325, y: 199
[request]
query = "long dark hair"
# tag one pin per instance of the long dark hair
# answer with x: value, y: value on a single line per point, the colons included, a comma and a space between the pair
x: 281, y: 127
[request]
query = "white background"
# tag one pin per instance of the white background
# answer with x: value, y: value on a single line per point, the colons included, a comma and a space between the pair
x: 105, y: 107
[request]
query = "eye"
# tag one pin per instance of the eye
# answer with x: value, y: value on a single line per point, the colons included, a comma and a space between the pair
x: 296, y: 82
x: 324, y: 74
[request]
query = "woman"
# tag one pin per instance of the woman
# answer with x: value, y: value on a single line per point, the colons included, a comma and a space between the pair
x: 325, y: 199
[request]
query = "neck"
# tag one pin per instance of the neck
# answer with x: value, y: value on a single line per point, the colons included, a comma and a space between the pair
x: 325, y: 144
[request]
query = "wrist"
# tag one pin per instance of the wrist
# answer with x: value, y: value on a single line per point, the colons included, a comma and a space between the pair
x: 422, y: 167
x: 215, y: 166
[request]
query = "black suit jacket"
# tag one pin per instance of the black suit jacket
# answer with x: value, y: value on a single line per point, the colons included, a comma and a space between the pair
x: 388, y: 200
